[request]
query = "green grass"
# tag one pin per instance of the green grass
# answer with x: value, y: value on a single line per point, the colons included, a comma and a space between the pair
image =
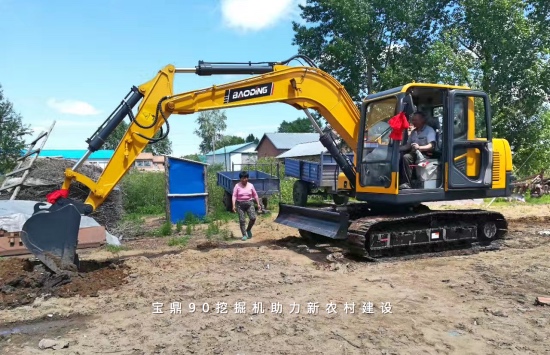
x: 178, y: 241
x: 115, y: 248
x: 543, y: 200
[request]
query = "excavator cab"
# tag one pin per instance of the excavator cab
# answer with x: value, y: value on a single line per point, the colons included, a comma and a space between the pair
x: 465, y: 161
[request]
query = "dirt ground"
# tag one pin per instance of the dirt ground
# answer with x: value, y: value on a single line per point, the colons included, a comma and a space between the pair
x: 481, y: 303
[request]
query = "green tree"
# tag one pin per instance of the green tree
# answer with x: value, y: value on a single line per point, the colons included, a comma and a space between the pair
x: 116, y: 136
x: 251, y: 138
x: 229, y: 140
x: 211, y: 125
x: 358, y: 41
x: 299, y: 125
x: 12, y: 135
x: 194, y: 157
x: 162, y: 147
x: 510, y: 52
x: 531, y: 158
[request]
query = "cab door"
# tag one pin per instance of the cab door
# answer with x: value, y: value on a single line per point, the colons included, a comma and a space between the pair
x: 378, y: 155
x: 469, y: 151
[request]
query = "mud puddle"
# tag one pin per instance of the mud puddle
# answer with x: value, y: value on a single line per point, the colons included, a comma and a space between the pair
x: 22, y: 281
x: 30, y: 333
x: 50, y: 326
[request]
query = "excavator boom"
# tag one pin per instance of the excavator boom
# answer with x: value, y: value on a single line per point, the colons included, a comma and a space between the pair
x: 304, y: 88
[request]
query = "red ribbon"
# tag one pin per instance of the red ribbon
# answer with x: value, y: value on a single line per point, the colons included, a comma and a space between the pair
x: 398, y: 123
x: 55, y: 195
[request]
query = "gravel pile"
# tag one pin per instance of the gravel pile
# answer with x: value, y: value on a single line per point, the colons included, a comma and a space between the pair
x: 47, y: 175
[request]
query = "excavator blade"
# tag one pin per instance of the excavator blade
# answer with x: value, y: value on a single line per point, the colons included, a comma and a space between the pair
x: 52, y: 236
x: 324, y: 222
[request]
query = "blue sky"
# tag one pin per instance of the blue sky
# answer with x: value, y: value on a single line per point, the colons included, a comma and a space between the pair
x: 74, y: 61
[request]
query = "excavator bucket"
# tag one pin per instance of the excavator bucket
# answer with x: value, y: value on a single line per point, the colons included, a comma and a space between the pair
x: 51, y: 234
x: 325, y: 222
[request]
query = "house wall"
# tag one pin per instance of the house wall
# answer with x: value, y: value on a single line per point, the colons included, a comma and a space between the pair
x: 249, y: 158
x: 235, y: 158
x: 150, y: 167
x: 313, y: 158
x: 149, y: 162
x: 219, y: 159
x: 267, y: 149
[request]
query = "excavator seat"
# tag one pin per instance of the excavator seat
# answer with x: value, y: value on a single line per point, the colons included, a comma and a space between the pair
x: 430, y: 175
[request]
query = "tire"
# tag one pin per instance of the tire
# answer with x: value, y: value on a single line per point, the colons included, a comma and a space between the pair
x: 340, y: 199
x: 300, y: 192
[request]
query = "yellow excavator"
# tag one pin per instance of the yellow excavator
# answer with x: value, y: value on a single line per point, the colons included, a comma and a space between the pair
x: 466, y: 162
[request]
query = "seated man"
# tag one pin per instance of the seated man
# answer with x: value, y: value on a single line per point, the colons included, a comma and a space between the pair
x: 421, y: 139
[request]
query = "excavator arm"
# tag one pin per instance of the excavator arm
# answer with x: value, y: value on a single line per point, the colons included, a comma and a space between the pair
x: 51, y: 234
x: 301, y: 87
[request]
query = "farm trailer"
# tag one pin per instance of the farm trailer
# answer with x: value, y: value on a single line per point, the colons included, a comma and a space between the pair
x: 315, y: 178
x: 264, y: 183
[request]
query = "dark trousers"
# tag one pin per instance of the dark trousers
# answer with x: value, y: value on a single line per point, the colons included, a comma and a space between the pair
x: 405, y: 171
x: 243, y: 208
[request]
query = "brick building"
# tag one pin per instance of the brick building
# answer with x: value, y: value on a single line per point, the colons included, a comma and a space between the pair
x: 274, y: 144
x: 149, y: 162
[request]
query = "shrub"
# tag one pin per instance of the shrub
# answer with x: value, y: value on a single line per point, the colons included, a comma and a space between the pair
x: 144, y: 192
x: 215, y: 192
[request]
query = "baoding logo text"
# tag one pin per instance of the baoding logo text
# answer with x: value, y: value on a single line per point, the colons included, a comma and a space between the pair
x: 249, y: 92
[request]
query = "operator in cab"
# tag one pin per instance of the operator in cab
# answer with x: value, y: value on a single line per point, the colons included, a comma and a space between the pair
x: 421, y: 139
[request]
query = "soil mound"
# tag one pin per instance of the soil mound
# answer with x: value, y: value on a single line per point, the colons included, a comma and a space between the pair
x: 47, y: 175
x: 22, y: 281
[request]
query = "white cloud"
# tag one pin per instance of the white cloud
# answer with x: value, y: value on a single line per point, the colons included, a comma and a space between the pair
x: 255, y: 15
x: 73, y: 107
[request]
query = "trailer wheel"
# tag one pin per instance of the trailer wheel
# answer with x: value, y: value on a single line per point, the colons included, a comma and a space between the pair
x: 339, y: 199
x: 299, y: 193
x: 227, y: 201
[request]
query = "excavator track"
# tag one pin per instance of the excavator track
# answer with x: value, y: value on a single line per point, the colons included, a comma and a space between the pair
x: 376, y: 235
x: 431, y: 231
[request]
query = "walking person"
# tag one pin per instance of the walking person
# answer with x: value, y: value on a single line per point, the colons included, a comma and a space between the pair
x: 244, y: 195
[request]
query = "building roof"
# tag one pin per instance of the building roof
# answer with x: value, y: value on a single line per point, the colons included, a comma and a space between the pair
x: 289, y: 140
x: 230, y: 148
x: 304, y: 149
x: 74, y: 153
x: 202, y: 158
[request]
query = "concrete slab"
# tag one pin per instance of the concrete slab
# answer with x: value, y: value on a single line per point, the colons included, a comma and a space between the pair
x: 13, y: 214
